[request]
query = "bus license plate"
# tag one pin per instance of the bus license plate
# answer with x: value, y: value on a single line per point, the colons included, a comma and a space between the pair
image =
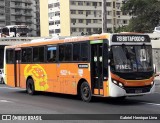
x: 138, y: 91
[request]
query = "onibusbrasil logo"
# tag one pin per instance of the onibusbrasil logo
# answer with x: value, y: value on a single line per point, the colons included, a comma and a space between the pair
x: 39, y: 76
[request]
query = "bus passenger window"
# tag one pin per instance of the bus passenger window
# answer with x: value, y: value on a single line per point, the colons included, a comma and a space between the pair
x: 9, y: 56
x: 61, y: 52
x: 76, y: 52
x: 38, y: 54
x: 84, y: 52
x: 68, y: 52
x: 35, y: 54
x: 27, y: 55
x: 51, y: 53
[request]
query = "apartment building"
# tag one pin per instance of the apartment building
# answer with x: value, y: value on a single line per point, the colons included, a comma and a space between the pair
x: 78, y: 17
x: 19, y: 12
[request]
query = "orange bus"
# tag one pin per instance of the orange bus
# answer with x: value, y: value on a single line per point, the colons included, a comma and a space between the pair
x: 105, y: 65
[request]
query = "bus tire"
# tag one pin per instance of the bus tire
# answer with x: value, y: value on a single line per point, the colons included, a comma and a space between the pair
x: 30, y: 87
x: 120, y: 98
x: 85, y: 92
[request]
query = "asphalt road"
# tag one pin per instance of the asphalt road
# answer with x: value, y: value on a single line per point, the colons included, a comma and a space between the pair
x: 16, y: 101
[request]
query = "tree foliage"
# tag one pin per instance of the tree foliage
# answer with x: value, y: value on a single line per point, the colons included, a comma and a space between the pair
x: 145, y: 15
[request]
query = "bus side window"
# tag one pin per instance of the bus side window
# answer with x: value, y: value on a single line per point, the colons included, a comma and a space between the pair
x: 9, y: 56
x: 61, y: 52
x: 84, y: 52
x: 38, y: 54
x: 68, y: 52
x: 27, y: 55
x: 51, y: 53
x: 76, y: 52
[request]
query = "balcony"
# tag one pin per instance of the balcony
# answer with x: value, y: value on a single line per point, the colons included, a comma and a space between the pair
x: 1, y: 11
x: 2, y: 3
x: 28, y: 14
x: 28, y: 7
x: 2, y: 18
x: 17, y: 13
x: 28, y: 21
x: 22, y: 1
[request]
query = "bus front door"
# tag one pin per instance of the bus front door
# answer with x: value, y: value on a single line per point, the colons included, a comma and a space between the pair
x: 17, y: 67
x: 96, y: 68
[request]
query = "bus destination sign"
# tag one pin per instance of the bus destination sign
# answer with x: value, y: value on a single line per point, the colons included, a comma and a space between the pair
x: 130, y: 38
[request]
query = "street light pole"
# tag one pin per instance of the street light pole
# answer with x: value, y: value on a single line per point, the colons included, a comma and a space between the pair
x: 104, y: 17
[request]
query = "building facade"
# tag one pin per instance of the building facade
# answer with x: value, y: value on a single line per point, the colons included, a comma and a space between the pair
x: 81, y: 17
x: 20, y: 12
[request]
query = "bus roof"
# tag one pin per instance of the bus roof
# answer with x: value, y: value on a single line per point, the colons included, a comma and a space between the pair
x: 48, y: 41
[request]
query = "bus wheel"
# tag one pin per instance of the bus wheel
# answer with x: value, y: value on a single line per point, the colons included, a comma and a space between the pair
x: 30, y: 87
x: 85, y: 92
x: 120, y: 98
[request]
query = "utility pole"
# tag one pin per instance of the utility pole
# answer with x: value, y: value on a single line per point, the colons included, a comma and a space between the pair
x: 104, y: 16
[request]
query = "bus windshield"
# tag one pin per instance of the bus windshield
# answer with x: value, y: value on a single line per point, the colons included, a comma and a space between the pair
x: 131, y: 58
x: 22, y: 30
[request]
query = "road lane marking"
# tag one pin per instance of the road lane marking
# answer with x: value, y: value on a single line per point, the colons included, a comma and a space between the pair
x: 12, y: 88
x: 156, y: 104
x: 4, y: 101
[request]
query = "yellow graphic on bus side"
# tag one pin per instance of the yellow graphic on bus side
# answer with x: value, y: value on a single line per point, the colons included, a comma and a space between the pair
x: 38, y: 74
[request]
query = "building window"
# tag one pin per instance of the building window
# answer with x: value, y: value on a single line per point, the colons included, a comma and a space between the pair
x: 124, y: 21
x: 95, y: 30
x: 51, y: 23
x: 80, y: 3
x: 88, y: 29
x: 73, y: 20
x: 118, y: 12
x: 74, y: 30
x: 88, y: 3
x: 95, y: 21
x: 51, y: 31
x: 108, y: 4
x: 57, y: 30
x: 88, y: 12
x: 50, y: 6
x: 88, y: 21
x: 94, y: 3
x: 57, y: 22
x: 56, y: 4
x: 80, y: 12
x: 57, y: 13
x: 51, y: 14
x: 73, y: 3
x: 81, y: 29
x: 73, y: 11
x: 80, y: 20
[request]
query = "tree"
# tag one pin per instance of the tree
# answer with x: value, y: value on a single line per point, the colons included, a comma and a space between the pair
x: 145, y: 14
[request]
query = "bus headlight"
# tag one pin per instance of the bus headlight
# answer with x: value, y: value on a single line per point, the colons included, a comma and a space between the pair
x: 152, y: 82
x: 120, y: 84
x: 114, y: 81
x: 117, y: 83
